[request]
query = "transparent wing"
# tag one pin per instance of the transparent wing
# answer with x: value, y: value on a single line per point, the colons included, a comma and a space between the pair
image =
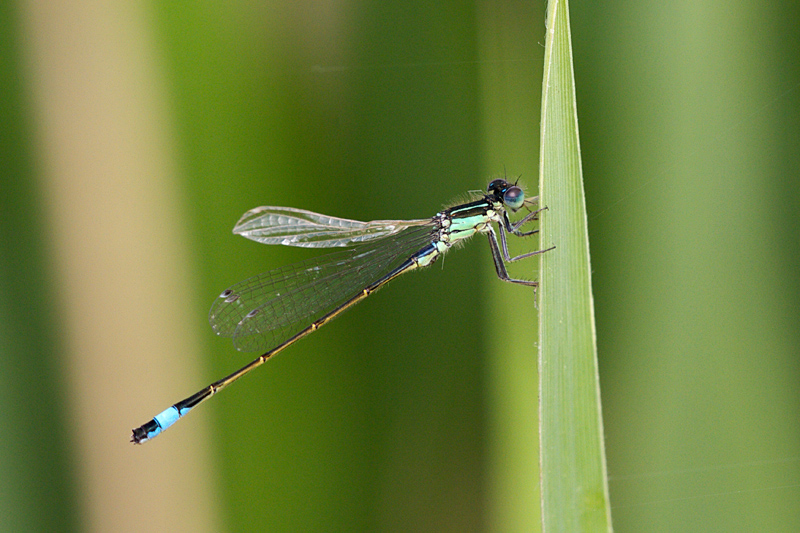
x: 531, y: 201
x: 298, y: 227
x: 267, y: 310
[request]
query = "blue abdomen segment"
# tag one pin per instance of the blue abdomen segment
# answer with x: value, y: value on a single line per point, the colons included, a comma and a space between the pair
x: 159, y: 423
x: 166, y: 418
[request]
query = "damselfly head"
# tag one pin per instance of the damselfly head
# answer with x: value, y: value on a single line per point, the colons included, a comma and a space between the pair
x: 511, y: 195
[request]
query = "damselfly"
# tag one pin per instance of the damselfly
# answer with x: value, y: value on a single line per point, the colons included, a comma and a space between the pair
x: 273, y: 310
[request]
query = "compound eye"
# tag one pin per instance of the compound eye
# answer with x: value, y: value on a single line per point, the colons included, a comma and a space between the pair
x: 514, y: 198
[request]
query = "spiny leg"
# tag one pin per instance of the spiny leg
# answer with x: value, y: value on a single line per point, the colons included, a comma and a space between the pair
x: 500, y: 265
x: 514, y: 228
x: 504, y: 241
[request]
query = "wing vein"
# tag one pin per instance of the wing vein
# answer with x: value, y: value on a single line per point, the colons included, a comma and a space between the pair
x: 268, y: 309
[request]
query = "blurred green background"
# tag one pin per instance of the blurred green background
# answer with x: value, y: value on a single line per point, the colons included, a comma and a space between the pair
x: 135, y: 134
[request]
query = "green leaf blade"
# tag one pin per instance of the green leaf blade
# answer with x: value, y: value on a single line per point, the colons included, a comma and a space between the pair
x: 573, y: 470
